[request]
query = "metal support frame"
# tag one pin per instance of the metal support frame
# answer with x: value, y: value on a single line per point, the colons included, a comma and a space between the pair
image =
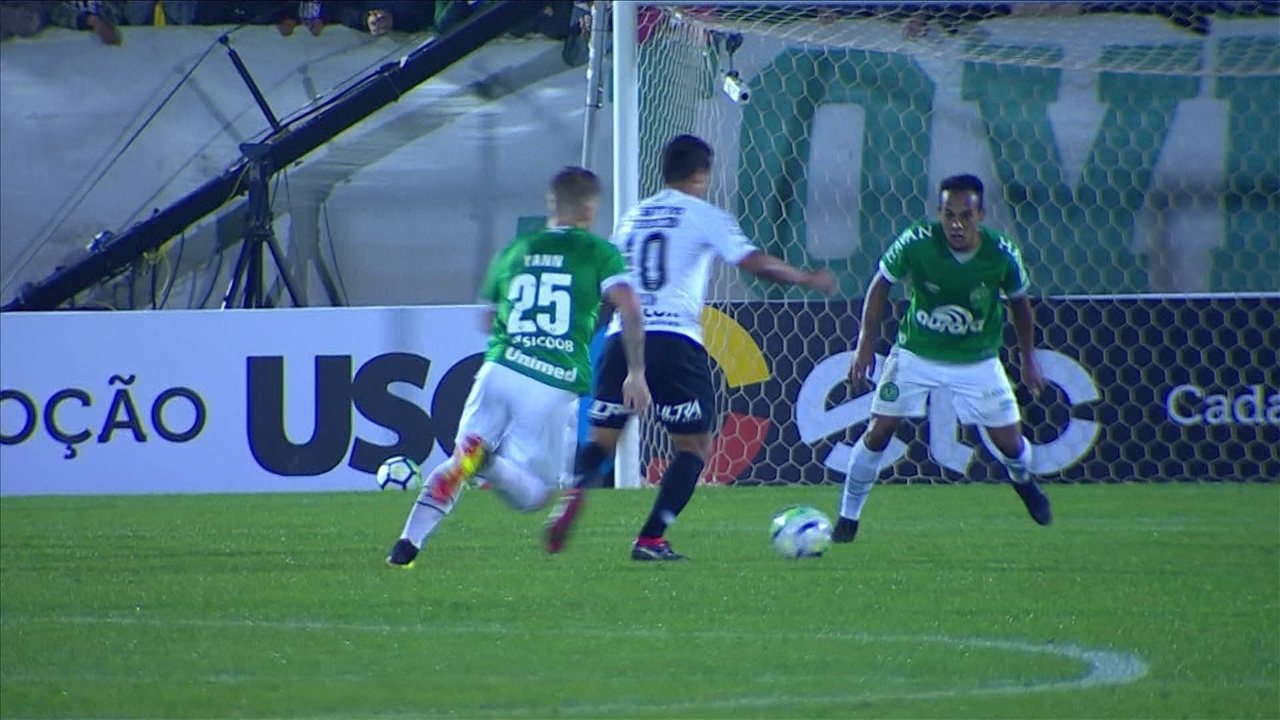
x: 247, y: 277
x: 296, y: 138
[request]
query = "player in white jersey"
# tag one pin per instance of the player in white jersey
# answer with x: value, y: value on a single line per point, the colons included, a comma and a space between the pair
x: 670, y: 241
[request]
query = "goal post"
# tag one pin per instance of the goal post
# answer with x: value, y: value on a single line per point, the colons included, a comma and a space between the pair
x: 626, y: 188
x: 1131, y: 155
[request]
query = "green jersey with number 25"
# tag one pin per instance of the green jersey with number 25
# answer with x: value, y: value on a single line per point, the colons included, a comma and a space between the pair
x: 545, y: 288
x: 956, y: 313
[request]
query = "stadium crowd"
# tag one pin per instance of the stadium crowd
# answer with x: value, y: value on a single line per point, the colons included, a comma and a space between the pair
x: 27, y: 18
x: 559, y: 20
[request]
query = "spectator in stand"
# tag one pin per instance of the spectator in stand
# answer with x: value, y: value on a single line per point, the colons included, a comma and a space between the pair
x: 160, y: 12
x: 449, y: 13
x: 100, y: 16
x: 379, y: 21
x: 315, y: 15
x: 21, y: 18
x: 577, y: 46
x: 552, y: 22
x: 281, y: 13
x: 1194, y: 16
x: 379, y: 17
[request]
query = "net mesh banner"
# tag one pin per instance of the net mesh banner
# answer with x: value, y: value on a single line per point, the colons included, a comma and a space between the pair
x: 1130, y: 150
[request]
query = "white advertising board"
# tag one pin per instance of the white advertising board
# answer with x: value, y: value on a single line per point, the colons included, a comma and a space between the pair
x: 232, y: 401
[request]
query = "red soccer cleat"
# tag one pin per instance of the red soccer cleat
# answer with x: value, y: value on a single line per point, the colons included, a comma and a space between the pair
x: 562, y: 518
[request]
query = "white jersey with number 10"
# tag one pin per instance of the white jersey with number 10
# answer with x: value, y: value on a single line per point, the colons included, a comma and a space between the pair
x: 669, y: 241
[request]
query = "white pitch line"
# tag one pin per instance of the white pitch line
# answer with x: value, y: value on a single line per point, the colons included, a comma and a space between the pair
x: 1104, y: 667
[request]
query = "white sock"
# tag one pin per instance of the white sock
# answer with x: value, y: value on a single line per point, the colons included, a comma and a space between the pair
x: 427, y: 512
x: 864, y: 467
x: 521, y: 489
x: 1019, y: 467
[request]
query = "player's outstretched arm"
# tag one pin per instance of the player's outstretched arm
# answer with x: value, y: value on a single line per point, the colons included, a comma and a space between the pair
x: 767, y: 267
x: 635, y: 390
x: 864, y: 356
x: 1024, y: 325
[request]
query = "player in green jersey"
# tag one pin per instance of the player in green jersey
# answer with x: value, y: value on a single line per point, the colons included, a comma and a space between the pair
x: 958, y: 271
x: 544, y: 292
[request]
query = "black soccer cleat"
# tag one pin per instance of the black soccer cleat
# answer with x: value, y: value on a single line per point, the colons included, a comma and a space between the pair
x: 1036, y: 501
x: 403, y: 553
x: 846, y: 530
x: 659, y: 552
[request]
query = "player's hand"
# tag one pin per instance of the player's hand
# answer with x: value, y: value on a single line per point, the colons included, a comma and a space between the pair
x: 1031, y: 375
x: 864, y: 363
x: 823, y: 280
x: 635, y: 393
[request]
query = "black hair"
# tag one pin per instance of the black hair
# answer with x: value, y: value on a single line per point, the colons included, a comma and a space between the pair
x: 683, y: 156
x: 961, y: 183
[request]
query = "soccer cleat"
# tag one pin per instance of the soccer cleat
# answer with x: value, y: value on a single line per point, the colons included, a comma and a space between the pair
x: 658, y: 551
x: 562, y: 518
x: 403, y: 553
x: 846, y: 530
x: 469, y: 458
x: 1036, y: 501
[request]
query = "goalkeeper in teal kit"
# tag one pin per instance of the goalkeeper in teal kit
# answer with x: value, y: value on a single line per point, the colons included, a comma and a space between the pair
x: 958, y: 271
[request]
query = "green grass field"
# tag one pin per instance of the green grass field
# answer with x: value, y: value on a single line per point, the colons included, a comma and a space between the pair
x: 1151, y: 601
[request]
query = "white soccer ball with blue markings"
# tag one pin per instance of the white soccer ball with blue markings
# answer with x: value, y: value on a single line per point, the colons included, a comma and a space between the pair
x: 399, y: 473
x: 801, y: 532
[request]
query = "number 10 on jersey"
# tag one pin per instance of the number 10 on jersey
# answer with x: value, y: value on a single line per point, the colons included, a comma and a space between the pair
x: 649, y: 258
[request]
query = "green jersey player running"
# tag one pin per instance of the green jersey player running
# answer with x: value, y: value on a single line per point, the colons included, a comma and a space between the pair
x: 544, y: 292
x: 957, y: 271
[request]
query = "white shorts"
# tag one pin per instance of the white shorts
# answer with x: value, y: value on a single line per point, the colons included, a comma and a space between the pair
x: 980, y: 391
x: 523, y: 420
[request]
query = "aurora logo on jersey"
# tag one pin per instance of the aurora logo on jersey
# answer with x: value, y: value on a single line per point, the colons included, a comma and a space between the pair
x: 951, y: 319
x: 540, y: 366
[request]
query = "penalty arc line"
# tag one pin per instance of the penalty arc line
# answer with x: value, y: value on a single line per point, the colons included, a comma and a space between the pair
x: 1105, y: 667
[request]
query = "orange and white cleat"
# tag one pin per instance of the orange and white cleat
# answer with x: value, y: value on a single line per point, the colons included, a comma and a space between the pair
x: 469, y: 458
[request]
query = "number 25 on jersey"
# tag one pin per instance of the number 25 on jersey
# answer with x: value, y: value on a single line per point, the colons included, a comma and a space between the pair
x: 547, y: 297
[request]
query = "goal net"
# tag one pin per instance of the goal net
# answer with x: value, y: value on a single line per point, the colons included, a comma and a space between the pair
x: 1130, y: 150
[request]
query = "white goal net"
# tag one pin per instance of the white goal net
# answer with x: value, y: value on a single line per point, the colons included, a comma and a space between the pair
x: 1130, y: 149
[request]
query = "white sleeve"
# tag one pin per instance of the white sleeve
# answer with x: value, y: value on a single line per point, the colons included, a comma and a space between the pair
x: 725, y: 235
x: 619, y: 237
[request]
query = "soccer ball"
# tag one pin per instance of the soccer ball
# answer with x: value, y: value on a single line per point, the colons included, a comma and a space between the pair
x: 398, y: 473
x: 799, y: 532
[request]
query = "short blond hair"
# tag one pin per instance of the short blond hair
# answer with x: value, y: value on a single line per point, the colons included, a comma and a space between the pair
x: 573, y: 187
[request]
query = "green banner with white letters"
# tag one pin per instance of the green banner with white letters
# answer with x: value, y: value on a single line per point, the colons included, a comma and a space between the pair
x: 1152, y: 166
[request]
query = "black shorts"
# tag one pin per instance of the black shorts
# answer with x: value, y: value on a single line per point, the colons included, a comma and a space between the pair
x: 679, y: 375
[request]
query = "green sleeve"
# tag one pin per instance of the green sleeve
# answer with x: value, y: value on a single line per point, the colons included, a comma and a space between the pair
x: 1016, y: 281
x: 895, y: 264
x: 489, y: 290
x: 612, y: 263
